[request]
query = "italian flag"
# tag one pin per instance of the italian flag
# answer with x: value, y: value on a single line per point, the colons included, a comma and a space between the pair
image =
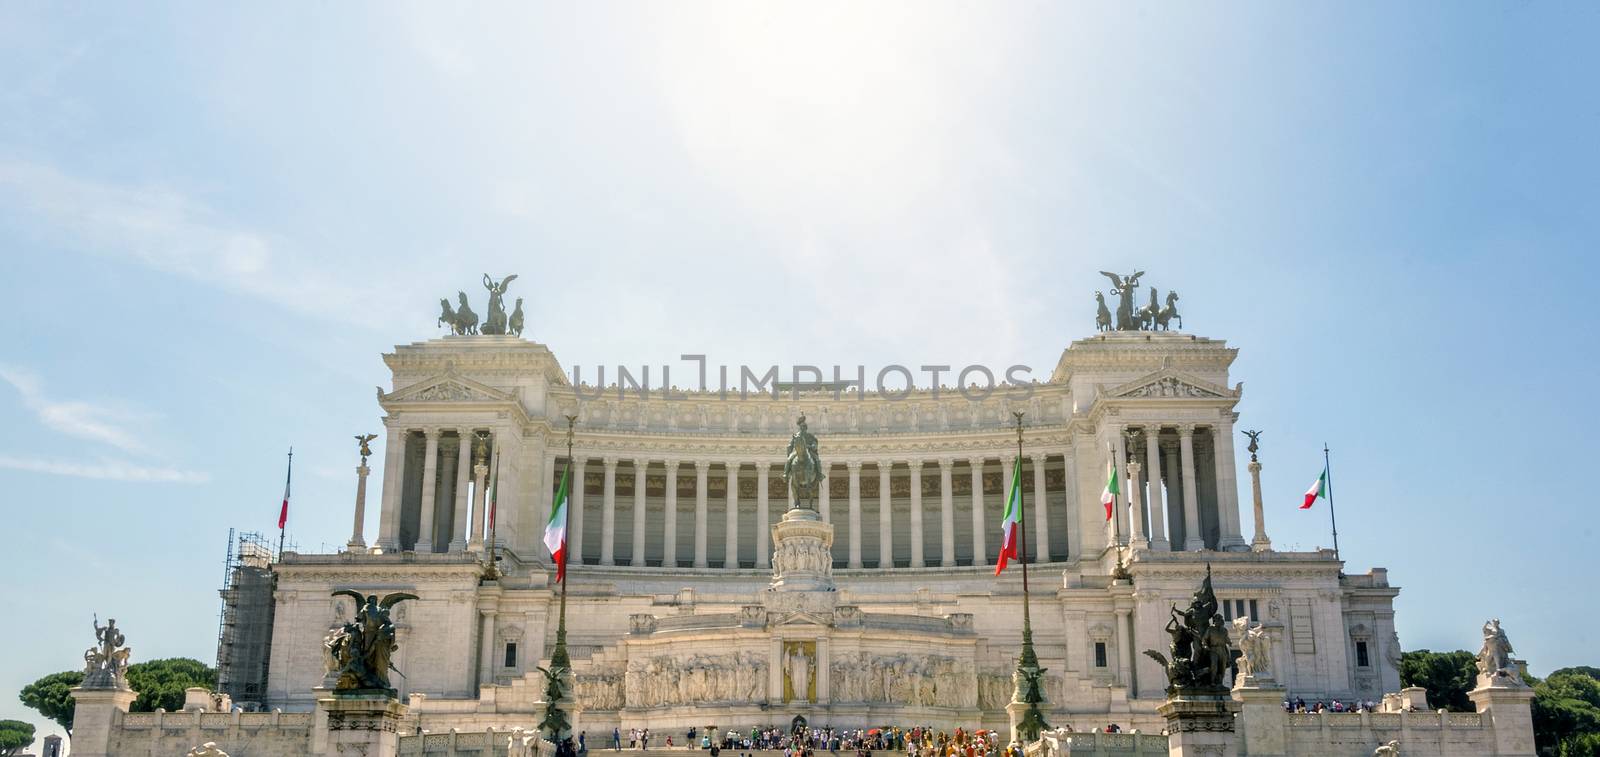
x: 1109, y: 496
x: 555, y: 531
x: 1009, y: 524
x: 283, y: 512
x: 1318, y: 489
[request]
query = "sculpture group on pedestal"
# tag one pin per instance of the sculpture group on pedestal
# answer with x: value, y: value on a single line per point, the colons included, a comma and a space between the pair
x: 803, y: 468
x: 1152, y: 317
x: 1201, y: 656
x: 463, y: 322
x: 1255, y: 652
x: 1495, y: 666
x: 360, y: 651
x: 106, y: 663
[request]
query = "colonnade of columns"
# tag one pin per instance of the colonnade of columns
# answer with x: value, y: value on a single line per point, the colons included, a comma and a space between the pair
x: 1162, y: 480
x: 744, y: 524
x: 446, y: 496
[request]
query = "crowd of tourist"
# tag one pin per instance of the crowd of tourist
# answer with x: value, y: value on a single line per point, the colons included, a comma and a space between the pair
x: 1298, y: 704
x: 920, y: 741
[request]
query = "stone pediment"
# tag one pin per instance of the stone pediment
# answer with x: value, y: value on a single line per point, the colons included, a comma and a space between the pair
x: 446, y: 388
x: 1170, y: 384
x: 803, y: 619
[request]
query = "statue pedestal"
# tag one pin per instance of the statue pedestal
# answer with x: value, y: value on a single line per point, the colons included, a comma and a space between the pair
x: 96, y: 713
x: 1508, y: 709
x: 1261, y: 720
x: 802, y: 552
x: 363, y: 722
x: 1200, y: 724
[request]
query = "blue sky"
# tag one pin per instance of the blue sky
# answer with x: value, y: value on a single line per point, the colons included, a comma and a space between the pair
x: 214, y: 218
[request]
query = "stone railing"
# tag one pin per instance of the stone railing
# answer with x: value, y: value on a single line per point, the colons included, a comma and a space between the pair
x: 1092, y: 743
x: 216, y: 720
x: 488, y: 743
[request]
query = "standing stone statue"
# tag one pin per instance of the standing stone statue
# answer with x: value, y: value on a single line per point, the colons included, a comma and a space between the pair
x: 1255, y: 652
x: 364, y: 647
x: 1495, y: 666
x: 106, y: 663
x: 803, y: 469
x: 495, y: 322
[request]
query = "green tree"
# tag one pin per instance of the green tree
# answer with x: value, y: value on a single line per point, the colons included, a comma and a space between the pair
x: 14, y: 736
x: 160, y: 683
x: 1447, y: 676
x: 48, y: 696
x: 1566, y: 712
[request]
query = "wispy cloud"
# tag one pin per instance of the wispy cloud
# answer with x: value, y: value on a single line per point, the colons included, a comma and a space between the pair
x: 162, y: 228
x: 94, y: 422
x: 76, y: 418
x: 105, y: 470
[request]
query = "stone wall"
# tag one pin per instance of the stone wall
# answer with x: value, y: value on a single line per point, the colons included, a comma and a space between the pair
x: 240, y: 734
x: 1502, y: 727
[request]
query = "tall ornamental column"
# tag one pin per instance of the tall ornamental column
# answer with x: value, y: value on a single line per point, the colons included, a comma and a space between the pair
x: 575, y: 496
x: 980, y: 550
x: 730, y: 547
x: 1158, y: 503
x: 916, y: 513
x: 480, y: 473
x: 1260, y: 543
x: 701, y: 469
x: 430, y: 489
x: 885, y: 514
x: 1124, y: 650
x: 459, y: 524
x: 389, y: 503
x: 608, y: 514
x: 854, y: 557
x: 1193, y: 540
x: 1227, y: 485
x: 449, y: 464
x: 669, y: 517
x: 1041, y: 511
x: 641, y: 469
x: 358, y: 544
x: 947, y: 514
x: 763, y: 516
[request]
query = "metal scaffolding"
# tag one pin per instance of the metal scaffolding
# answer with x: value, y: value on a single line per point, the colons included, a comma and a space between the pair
x: 244, y: 626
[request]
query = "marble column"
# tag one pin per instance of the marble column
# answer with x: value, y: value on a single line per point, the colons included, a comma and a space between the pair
x: 1158, y: 503
x: 763, y: 515
x: 980, y: 550
x: 1040, y: 527
x: 1260, y: 543
x: 1193, y: 540
x: 641, y: 471
x: 430, y: 489
x: 947, y: 514
x: 823, y: 490
x: 730, y: 546
x: 885, y: 514
x: 701, y: 469
x: 1227, y: 486
x: 1136, y: 507
x: 1124, y: 651
x: 669, y: 517
x: 1119, y: 447
x: 393, y: 479
x: 460, y: 524
x: 854, y: 557
x: 1171, y: 472
x: 480, y: 474
x: 486, y: 646
x: 575, y: 495
x: 608, y: 514
x: 357, y: 543
x: 915, y: 467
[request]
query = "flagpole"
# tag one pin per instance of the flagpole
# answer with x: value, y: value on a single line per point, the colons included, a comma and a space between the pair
x: 283, y: 521
x: 1029, y: 691
x: 1327, y: 468
x: 560, y: 662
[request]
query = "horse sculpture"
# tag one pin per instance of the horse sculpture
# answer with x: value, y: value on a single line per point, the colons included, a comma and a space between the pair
x: 466, y: 320
x: 803, y: 469
x: 1145, y: 319
x: 1169, y: 312
x: 1102, y: 316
